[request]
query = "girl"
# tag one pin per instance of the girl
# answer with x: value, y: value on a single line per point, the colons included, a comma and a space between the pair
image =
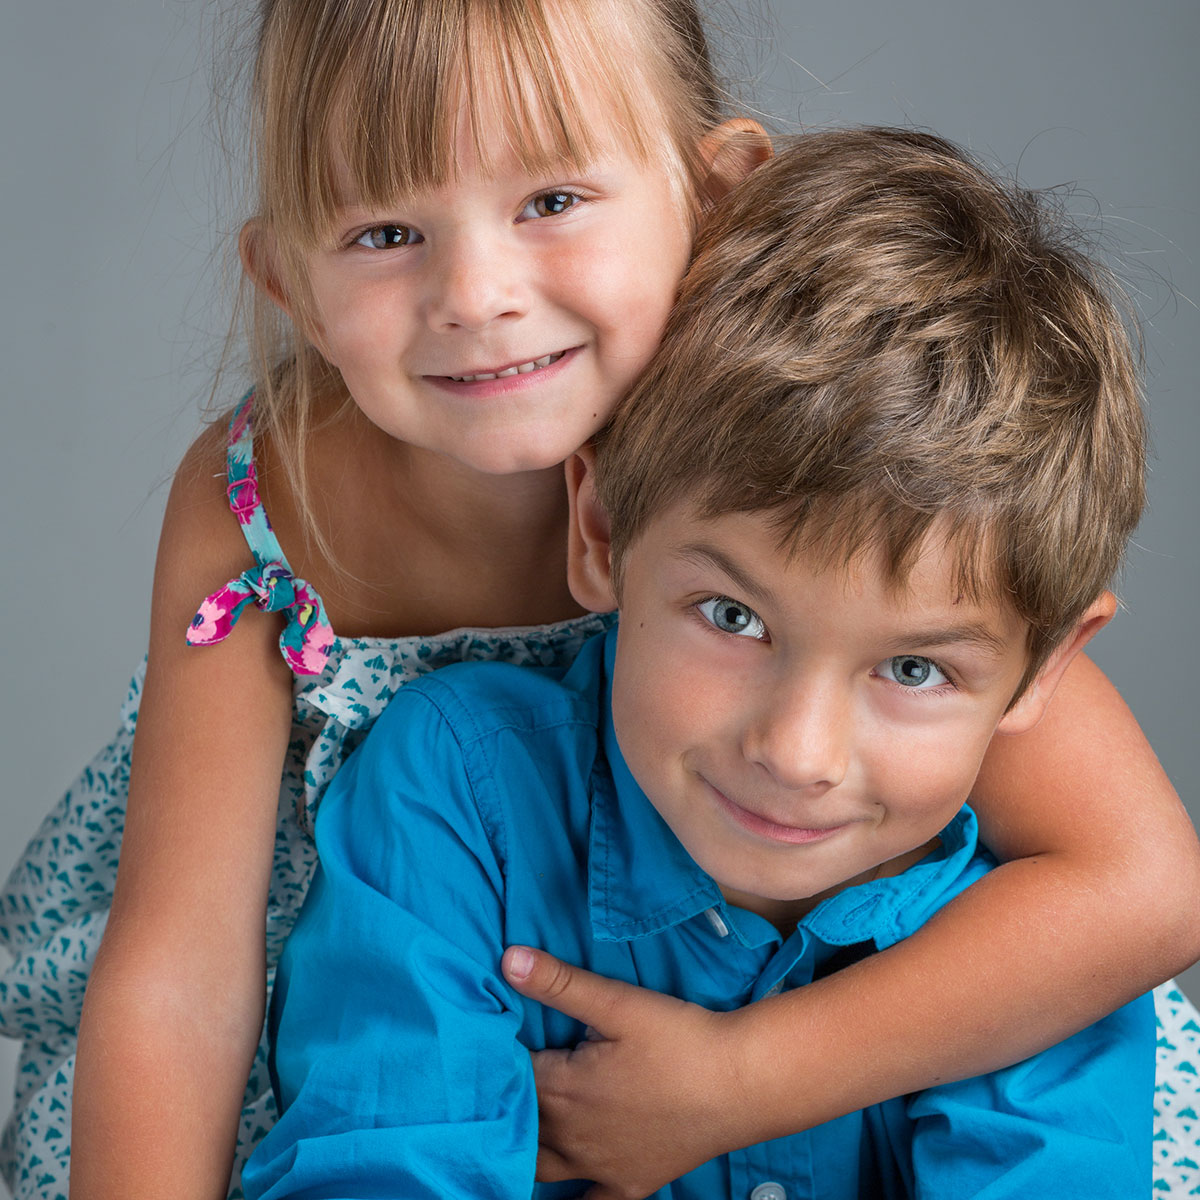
x: 472, y: 216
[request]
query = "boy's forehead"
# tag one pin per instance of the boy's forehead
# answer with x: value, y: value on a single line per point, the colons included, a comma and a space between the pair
x: 767, y: 569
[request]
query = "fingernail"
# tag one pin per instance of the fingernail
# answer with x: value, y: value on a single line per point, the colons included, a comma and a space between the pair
x: 520, y: 962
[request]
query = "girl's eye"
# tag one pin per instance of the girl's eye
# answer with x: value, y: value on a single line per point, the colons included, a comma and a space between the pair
x: 550, y: 204
x: 387, y: 237
x: 732, y: 616
x: 912, y: 671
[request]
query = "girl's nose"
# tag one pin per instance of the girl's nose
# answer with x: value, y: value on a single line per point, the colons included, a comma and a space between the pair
x: 473, y: 282
x: 801, y: 735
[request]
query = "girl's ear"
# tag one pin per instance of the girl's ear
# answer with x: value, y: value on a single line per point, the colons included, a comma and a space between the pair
x: 257, y: 253
x: 1031, y: 704
x: 730, y: 152
x: 589, y: 548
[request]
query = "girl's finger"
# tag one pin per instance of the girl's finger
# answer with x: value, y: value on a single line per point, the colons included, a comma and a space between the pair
x: 601, y: 1003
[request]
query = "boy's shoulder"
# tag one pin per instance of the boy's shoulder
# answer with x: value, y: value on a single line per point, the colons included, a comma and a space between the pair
x: 485, y: 699
x: 475, y: 750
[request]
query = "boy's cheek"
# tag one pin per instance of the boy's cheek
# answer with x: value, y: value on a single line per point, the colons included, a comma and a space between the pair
x: 927, y: 780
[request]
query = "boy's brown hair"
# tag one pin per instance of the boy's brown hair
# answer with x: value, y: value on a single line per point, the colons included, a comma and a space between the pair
x: 877, y: 341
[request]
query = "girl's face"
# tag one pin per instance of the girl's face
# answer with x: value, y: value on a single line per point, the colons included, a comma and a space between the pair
x: 499, y: 318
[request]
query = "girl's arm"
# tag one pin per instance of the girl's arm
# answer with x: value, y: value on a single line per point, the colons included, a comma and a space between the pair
x: 1096, y: 906
x: 174, y: 1007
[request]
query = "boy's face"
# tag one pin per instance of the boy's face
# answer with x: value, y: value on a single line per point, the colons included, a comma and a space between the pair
x: 803, y: 729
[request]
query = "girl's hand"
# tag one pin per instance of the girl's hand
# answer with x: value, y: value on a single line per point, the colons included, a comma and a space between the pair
x: 652, y: 1093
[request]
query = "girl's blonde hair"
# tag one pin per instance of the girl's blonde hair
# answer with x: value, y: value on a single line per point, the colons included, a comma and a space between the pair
x: 368, y: 95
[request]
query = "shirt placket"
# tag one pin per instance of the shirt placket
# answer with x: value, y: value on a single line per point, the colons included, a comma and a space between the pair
x: 778, y: 1170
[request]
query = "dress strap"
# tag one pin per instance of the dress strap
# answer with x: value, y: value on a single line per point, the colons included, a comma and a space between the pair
x: 270, y: 585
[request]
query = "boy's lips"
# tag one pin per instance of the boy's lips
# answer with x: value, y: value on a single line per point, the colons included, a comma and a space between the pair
x: 775, y: 831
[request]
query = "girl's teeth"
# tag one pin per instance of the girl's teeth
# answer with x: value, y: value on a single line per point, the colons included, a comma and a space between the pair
x: 523, y: 369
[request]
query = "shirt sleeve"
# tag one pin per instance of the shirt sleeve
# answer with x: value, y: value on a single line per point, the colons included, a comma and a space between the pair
x: 1073, y: 1122
x: 395, y: 1050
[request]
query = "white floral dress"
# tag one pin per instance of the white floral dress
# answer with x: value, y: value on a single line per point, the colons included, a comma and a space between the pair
x: 56, y: 901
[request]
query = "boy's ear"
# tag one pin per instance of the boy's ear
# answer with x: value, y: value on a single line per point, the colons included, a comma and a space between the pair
x: 589, y: 547
x: 1030, y: 706
x: 730, y: 152
x: 257, y: 252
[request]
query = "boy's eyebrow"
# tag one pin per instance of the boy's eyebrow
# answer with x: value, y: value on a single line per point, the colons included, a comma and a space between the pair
x: 705, y: 555
x: 970, y: 633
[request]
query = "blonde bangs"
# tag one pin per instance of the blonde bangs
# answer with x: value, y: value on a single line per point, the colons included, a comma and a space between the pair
x: 364, y: 100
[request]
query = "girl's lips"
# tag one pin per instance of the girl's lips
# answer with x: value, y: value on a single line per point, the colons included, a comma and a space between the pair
x: 772, y: 830
x: 525, y: 368
x: 506, y: 379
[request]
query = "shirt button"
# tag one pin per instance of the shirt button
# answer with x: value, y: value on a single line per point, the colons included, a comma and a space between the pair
x: 768, y: 1191
x: 717, y: 922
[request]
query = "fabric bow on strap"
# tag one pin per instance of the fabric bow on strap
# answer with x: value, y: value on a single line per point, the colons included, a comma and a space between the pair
x: 307, y: 636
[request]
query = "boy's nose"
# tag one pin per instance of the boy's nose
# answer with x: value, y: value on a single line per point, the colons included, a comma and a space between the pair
x: 472, y: 283
x: 801, y: 736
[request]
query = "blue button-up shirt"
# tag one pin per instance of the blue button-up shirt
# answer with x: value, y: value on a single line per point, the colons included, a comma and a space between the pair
x: 490, y: 806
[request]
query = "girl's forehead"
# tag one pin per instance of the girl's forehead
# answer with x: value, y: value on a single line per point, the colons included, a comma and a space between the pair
x: 543, y: 85
x: 493, y: 125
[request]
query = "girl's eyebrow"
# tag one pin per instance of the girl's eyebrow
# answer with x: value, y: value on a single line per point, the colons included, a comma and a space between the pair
x: 705, y: 555
x: 346, y: 195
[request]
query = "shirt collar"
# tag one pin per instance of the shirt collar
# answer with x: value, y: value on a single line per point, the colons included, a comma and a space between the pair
x: 886, y: 910
x: 640, y: 878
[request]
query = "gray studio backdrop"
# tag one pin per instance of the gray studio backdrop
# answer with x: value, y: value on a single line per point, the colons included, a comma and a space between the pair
x: 113, y: 319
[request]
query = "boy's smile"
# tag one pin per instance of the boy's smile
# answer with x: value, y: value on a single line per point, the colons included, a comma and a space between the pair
x: 803, y: 729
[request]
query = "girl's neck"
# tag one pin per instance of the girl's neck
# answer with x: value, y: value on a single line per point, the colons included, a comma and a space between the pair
x: 456, y: 505
x: 425, y: 544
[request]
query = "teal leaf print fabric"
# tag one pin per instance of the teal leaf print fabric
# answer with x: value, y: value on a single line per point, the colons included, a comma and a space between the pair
x: 54, y: 906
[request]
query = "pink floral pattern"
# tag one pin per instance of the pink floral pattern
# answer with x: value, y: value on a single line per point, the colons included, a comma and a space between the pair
x: 270, y: 585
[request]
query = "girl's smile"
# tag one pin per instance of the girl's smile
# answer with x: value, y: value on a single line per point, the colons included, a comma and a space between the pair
x: 502, y: 381
x: 525, y: 368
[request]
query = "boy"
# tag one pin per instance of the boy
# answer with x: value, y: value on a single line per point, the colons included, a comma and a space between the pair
x: 858, y: 517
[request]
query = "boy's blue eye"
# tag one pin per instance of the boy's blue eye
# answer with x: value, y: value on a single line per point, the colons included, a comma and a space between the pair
x: 387, y: 237
x: 732, y: 616
x: 549, y: 204
x: 912, y: 671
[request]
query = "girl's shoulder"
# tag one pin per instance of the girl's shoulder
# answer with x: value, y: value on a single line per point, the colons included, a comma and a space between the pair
x: 218, y: 539
x: 200, y: 537
x: 235, y: 513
